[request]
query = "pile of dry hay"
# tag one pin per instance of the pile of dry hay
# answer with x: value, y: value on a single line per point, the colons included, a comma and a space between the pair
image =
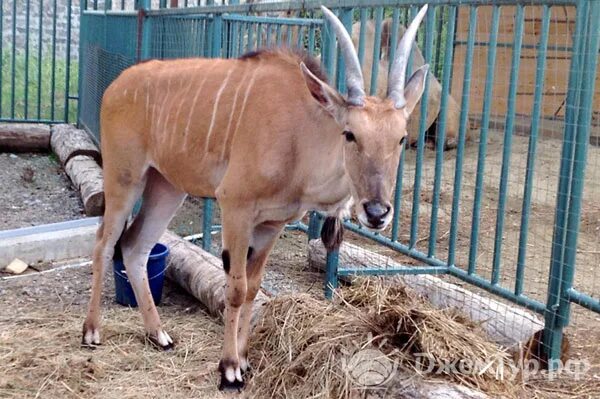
x: 306, y: 345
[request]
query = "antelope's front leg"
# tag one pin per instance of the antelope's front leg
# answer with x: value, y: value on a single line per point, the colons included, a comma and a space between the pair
x: 236, y: 238
x: 264, y: 237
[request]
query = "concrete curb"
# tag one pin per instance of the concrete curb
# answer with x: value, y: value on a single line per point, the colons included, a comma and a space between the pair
x: 50, y: 242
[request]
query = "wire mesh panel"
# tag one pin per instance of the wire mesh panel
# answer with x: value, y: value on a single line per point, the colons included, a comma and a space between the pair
x: 104, y: 58
x: 180, y: 37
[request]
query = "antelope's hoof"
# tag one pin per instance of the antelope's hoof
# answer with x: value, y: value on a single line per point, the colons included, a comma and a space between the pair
x: 231, y: 377
x: 90, y: 338
x: 161, y: 341
x: 245, y: 366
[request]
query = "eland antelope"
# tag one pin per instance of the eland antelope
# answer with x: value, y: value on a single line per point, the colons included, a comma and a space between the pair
x: 270, y: 139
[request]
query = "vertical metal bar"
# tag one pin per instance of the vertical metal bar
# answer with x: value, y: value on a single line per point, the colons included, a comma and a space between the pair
x: 311, y: 40
x: 329, y: 47
x: 207, y: 218
x: 258, y: 36
x: 217, y: 33
x: 278, y: 33
x: 241, y: 38
x: 234, y: 39
x: 314, y: 226
x: 13, y: 60
x: 1, y: 55
x: 532, y: 150
x: 553, y: 330
x: 483, y: 138
x: 300, y: 38
x: 53, y: 74
x: 464, y: 115
x: 437, y: 68
x: 376, y: 50
x: 393, y: 37
x: 250, y: 37
x: 39, y: 61
x: 414, y: 223
x: 331, y: 274
x: 441, y: 132
x: 26, y: 86
x: 346, y: 18
x: 268, y: 39
x: 582, y: 128
x: 145, y: 50
x: 409, y: 66
x: 398, y: 194
x: 362, y: 35
x: 68, y: 61
x: 507, y: 146
x: 289, y: 36
x: 83, y: 31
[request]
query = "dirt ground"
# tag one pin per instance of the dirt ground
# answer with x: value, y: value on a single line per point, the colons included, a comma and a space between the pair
x: 35, y: 190
x: 64, y: 296
x: 44, y: 315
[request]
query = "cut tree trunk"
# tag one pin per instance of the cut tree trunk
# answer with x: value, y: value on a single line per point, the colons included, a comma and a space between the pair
x: 67, y: 142
x: 86, y: 176
x: 201, y: 274
x: 507, y: 325
x: 24, y: 137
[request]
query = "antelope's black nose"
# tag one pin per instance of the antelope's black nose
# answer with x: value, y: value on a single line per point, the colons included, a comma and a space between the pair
x: 376, y: 212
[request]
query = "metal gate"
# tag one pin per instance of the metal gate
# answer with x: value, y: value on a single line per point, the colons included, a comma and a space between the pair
x: 38, y: 60
x: 476, y: 215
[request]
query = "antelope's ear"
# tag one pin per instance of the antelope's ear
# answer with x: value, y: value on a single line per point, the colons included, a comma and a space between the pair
x: 325, y: 95
x: 414, y: 88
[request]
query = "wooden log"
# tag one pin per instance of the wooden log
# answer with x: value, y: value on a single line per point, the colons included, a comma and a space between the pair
x: 87, y: 178
x: 24, y: 137
x: 201, y: 274
x: 507, y: 325
x: 67, y: 142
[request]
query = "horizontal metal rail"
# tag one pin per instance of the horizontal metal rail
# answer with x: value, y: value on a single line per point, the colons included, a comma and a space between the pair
x: 315, y: 4
x: 273, y: 20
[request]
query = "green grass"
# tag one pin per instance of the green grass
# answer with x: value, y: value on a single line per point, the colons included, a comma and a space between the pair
x: 45, y: 99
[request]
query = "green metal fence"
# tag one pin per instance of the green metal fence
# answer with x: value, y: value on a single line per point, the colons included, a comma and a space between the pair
x: 476, y: 214
x: 38, y: 61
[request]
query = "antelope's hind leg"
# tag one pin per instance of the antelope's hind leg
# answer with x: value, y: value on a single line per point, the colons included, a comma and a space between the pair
x: 161, y: 201
x: 120, y: 199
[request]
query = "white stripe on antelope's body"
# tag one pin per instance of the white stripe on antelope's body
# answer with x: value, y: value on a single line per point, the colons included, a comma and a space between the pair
x: 270, y: 139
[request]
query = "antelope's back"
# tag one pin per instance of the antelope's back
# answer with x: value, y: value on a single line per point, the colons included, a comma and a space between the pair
x: 196, y: 112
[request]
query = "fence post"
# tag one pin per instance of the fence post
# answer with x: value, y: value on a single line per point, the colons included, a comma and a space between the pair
x: 553, y: 326
x: 314, y: 226
x: 346, y: 15
x: 207, y: 219
x: 143, y: 30
x: 582, y: 137
x: 82, y: 39
x: 216, y: 36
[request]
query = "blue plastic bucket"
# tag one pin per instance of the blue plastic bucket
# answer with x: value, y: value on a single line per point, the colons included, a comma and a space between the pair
x: 157, y: 264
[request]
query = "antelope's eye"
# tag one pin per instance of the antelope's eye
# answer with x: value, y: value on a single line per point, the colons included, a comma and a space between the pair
x: 349, y: 136
x: 402, y: 140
